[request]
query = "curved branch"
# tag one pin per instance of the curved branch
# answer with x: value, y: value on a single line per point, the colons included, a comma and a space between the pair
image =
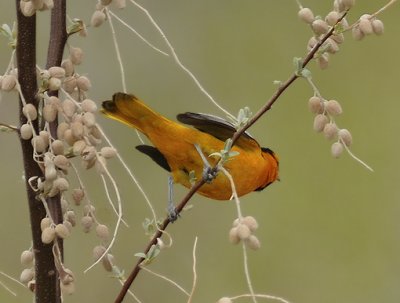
x: 201, y: 182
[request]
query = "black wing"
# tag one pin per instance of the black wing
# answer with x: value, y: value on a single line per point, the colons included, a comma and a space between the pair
x: 155, y: 155
x: 215, y: 126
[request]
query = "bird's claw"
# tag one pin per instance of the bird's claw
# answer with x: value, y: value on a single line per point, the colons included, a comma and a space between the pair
x: 209, y: 174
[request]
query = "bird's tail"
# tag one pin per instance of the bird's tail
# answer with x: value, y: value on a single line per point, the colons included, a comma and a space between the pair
x: 129, y: 110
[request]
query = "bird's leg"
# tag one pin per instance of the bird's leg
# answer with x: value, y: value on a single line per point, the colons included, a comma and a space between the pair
x: 172, y: 214
x: 209, y: 173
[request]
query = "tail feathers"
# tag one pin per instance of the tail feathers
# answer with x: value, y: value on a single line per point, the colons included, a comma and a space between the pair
x: 129, y: 110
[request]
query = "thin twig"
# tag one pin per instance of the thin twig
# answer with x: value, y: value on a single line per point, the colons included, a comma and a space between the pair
x: 166, y: 279
x: 137, y: 34
x: 178, y: 61
x: 119, y: 58
x: 194, y: 272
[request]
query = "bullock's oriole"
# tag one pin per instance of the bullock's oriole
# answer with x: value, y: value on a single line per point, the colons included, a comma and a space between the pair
x: 252, y: 169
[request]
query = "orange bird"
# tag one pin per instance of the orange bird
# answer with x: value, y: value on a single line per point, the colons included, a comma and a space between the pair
x: 252, y: 169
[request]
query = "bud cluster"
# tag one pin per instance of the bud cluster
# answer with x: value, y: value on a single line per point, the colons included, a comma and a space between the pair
x: 242, y: 230
x: 29, y: 7
x: 320, y: 28
x: 99, y: 15
x: 324, y: 122
x: 367, y: 25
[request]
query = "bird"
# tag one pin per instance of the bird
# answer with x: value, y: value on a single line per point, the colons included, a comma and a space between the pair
x: 174, y: 144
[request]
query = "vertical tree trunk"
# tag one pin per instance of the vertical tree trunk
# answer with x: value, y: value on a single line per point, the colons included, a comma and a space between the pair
x: 47, y: 289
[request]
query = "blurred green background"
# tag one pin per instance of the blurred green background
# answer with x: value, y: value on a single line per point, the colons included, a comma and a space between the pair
x: 329, y: 230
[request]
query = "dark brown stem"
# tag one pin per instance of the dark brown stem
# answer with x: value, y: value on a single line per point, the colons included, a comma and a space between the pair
x: 158, y: 234
x: 200, y: 183
x: 55, y: 51
x: 45, y: 272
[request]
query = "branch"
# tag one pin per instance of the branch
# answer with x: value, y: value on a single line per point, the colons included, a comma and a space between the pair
x: 237, y: 134
x: 45, y: 287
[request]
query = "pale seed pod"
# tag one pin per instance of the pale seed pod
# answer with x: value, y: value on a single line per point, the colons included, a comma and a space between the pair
x: 243, y: 231
x: 89, y: 106
x: 97, y: 19
x: 68, y: 225
x: 89, y: 153
x: 69, y: 84
x: 78, y: 147
x: 77, y: 129
x: 70, y: 217
x: 333, y: 47
x: 337, y: 149
x: 311, y: 43
x: 66, y: 276
x: 306, y: 15
x: 61, y: 231
x: 338, y: 38
x: 108, y: 152
x: 333, y: 108
x: 44, y: 223
x: 27, y: 257
x: 38, y: 144
x: 61, y: 128
x: 77, y: 195
x: 67, y: 289
x: 224, y: 300
x: 253, y: 243
x: 89, y: 119
x: 54, y: 84
x: 69, y: 107
x: 96, y: 132
x: 27, y: 8
x: 26, y: 275
x: 320, y: 121
x: 94, y: 141
x: 76, y: 55
x: 347, y: 4
x: 87, y: 223
x: 345, y: 136
x: 365, y: 26
x: 330, y: 131
x: 357, y: 33
x: 50, y: 172
x: 103, y: 232
x: 101, y: 165
x: 49, y: 112
x: 57, y: 147
x: 68, y: 67
x: 107, y: 262
x: 45, y: 136
x: 8, y: 83
x: 319, y: 27
x: 98, y: 251
x: 57, y: 72
x: 89, y: 210
x: 61, y: 162
x: 48, y: 235
x: 315, y: 105
x: 378, y: 27
x: 323, y: 61
x: 120, y: 4
x: 236, y: 222
x: 332, y: 18
x: 29, y: 111
x: 26, y: 131
x: 61, y: 184
x: 83, y: 83
x: 250, y: 222
x: 233, y: 235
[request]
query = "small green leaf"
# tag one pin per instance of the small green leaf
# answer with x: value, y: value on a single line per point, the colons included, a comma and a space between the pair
x: 140, y: 255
